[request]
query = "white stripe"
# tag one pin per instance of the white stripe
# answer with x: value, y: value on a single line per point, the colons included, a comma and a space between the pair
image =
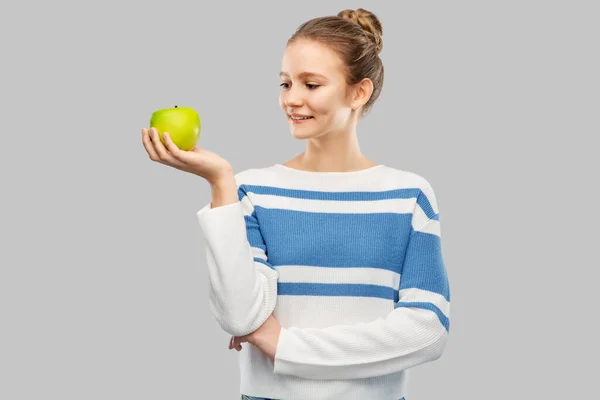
x: 401, y: 206
x: 386, y: 178
x: 367, y: 275
x: 324, y: 311
x: 258, y: 252
x: 414, y: 294
x: 247, y: 206
x: 422, y: 223
x: 432, y: 227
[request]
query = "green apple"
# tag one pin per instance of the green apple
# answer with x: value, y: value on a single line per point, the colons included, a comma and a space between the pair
x: 181, y: 123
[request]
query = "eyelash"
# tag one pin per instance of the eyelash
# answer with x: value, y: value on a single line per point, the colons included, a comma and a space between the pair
x: 308, y: 84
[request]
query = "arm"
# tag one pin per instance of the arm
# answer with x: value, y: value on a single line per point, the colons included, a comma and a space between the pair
x: 415, y: 332
x: 242, y: 283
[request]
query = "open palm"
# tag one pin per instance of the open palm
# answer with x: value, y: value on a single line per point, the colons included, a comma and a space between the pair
x: 198, y: 161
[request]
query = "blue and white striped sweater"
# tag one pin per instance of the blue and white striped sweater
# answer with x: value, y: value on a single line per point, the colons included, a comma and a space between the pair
x: 349, y: 263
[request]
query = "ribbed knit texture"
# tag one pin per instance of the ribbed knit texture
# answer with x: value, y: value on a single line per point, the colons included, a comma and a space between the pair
x: 349, y: 263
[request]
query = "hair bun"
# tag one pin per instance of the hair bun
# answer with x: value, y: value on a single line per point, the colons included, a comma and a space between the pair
x: 368, y: 22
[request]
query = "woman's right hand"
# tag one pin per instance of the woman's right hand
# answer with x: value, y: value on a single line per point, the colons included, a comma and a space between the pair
x: 197, y: 161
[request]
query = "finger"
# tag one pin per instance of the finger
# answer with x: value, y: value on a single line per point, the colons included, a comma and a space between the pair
x: 146, y: 140
x: 172, y: 147
x: 164, y: 154
x: 231, y: 343
x: 159, y: 148
x: 236, y: 343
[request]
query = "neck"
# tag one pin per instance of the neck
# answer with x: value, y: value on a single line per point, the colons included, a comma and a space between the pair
x: 333, y: 153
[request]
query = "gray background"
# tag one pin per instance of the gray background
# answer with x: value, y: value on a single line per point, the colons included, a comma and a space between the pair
x: 103, y: 285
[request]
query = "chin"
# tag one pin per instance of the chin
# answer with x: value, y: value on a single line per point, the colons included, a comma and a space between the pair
x: 298, y: 134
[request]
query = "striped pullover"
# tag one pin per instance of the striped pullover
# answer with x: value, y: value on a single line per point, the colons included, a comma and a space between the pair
x: 349, y: 263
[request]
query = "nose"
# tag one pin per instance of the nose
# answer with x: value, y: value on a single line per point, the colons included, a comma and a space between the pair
x: 292, y: 98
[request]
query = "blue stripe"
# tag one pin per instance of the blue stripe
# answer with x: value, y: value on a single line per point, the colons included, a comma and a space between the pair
x: 326, y: 195
x: 333, y: 289
x: 253, y: 233
x: 335, y: 240
x: 424, y: 265
x: 427, y: 306
x: 425, y: 205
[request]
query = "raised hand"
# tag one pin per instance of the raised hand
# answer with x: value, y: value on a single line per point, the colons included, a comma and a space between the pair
x: 197, y: 161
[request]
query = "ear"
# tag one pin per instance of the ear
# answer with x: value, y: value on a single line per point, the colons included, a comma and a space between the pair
x: 361, y: 93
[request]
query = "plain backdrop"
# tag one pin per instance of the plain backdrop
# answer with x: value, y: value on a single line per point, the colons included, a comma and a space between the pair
x: 103, y: 285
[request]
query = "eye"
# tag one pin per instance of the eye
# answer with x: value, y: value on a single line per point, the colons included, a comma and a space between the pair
x: 309, y: 85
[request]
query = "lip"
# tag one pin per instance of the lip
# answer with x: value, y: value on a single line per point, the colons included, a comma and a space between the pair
x: 301, y: 121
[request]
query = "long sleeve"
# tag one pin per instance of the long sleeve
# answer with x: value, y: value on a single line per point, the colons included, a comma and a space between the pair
x: 242, y: 282
x: 415, y: 332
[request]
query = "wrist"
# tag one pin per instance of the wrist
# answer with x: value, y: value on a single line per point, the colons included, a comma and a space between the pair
x: 224, y: 190
x: 224, y: 175
x: 222, y: 181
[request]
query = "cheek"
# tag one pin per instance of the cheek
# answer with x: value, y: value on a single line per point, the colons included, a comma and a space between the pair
x: 338, y: 114
x: 327, y: 103
x: 322, y: 105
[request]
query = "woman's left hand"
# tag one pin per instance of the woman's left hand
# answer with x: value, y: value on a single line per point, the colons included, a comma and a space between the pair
x: 265, y: 338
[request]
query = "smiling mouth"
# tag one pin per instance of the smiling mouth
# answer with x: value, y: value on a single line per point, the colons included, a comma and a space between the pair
x: 300, y: 119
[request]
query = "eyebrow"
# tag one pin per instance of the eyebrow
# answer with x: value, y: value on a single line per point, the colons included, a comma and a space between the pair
x: 305, y: 74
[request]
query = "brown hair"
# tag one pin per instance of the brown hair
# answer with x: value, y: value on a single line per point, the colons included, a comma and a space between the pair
x: 356, y: 37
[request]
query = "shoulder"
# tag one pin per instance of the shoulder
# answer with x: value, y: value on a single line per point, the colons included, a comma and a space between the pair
x: 253, y: 176
x: 258, y: 180
x: 409, y: 179
x: 420, y: 189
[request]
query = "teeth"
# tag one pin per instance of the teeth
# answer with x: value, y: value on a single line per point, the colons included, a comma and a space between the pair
x: 301, y: 117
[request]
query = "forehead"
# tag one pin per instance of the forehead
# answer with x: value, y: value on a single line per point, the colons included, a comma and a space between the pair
x: 303, y: 57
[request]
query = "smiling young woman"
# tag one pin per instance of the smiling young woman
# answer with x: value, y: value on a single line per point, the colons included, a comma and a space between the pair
x: 327, y: 269
x: 331, y: 77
